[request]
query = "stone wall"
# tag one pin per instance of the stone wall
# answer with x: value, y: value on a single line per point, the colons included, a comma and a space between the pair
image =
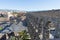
x: 3, y: 19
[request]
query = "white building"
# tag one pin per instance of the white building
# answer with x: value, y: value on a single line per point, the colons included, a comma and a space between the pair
x: 10, y: 15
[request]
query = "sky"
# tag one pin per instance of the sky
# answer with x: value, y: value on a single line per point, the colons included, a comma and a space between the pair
x: 30, y: 5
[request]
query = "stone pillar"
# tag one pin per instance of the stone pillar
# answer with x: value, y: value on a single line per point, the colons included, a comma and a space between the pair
x: 46, y: 31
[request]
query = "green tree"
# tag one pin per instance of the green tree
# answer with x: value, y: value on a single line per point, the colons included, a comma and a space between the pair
x: 23, y: 35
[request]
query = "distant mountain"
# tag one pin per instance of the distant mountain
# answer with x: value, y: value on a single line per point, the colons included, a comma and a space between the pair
x: 9, y: 10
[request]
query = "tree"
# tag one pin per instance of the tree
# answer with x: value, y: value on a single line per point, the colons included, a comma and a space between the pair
x: 23, y: 35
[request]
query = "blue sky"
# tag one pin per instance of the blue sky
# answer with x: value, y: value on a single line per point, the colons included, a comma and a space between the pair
x: 30, y: 5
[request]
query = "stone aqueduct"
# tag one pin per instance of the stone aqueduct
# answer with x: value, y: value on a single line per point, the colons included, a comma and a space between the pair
x: 38, y: 23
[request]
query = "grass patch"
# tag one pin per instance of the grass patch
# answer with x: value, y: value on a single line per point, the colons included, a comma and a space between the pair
x: 1, y: 28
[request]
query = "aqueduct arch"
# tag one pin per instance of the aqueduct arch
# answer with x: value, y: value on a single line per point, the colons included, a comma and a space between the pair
x: 38, y: 25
